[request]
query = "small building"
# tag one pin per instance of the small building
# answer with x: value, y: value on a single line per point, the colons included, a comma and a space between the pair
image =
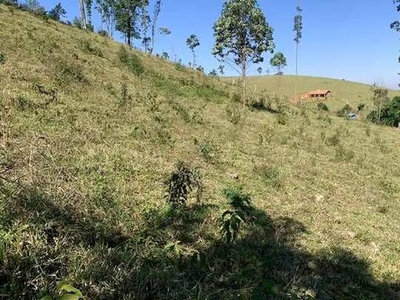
x: 319, y: 94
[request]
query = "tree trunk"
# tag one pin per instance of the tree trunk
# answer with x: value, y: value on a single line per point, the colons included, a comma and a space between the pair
x: 129, y: 32
x: 295, y: 81
x: 244, y: 67
x: 83, y: 14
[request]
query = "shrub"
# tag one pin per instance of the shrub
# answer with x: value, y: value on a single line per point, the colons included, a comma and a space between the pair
x: 361, y: 107
x: 232, y: 220
x: 131, y: 60
x: 389, y: 115
x: 77, y: 23
x: 2, y: 58
x: 180, y: 67
x: 322, y: 106
x: 9, y: 2
x: 344, y: 112
x: 103, y: 33
x: 183, y: 180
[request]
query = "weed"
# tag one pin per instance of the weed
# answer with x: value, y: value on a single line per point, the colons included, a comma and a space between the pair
x: 87, y: 47
x: 2, y: 58
x: 333, y: 140
x: 181, y: 110
x: 131, y: 60
x: 322, y: 106
x: 67, y: 73
x: 271, y: 175
x: 181, y: 182
x: 180, y: 67
x: 207, y: 151
x: 23, y: 103
x: 124, y: 95
x: 282, y: 118
x: 233, y: 113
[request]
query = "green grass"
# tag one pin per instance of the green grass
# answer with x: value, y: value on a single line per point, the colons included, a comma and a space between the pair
x: 83, y: 172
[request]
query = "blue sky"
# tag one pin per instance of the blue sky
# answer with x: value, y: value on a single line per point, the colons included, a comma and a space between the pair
x: 348, y: 39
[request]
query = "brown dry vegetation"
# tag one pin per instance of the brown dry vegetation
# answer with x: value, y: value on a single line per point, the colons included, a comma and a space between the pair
x: 87, y: 142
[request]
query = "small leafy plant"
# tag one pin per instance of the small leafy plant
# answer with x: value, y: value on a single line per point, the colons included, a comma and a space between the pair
x: 66, y: 292
x: 182, y: 181
x: 232, y: 220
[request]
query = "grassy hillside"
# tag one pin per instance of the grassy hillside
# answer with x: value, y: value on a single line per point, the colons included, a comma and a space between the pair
x: 89, y: 133
x: 343, y: 92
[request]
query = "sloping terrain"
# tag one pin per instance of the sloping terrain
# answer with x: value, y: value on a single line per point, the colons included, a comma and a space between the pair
x: 91, y: 130
x: 343, y: 91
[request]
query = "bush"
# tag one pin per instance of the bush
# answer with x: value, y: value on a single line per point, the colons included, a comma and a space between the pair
x: 131, y: 60
x: 322, y: 106
x: 232, y: 220
x: 180, y: 67
x: 389, y: 115
x: 103, y: 33
x: 77, y: 23
x: 344, y: 112
x: 9, y: 2
x: 361, y: 107
x: 183, y: 180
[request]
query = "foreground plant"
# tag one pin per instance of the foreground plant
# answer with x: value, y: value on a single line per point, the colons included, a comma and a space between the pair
x: 182, y: 181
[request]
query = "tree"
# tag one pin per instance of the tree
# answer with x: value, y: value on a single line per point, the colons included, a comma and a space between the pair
x: 126, y: 16
x: 156, y: 13
x: 221, y: 69
x: 396, y: 24
x: 298, y: 29
x: 83, y: 14
x: 379, y: 98
x: 57, y: 12
x: 389, y: 115
x: 193, y: 42
x: 279, y: 62
x: 164, y: 31
x: 106, y: 9
x: 88, y: 5
x: 242, y: 35
x: 145, y: 24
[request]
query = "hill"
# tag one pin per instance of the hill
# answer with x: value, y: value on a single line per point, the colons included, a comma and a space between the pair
x: 91, y: 133
x: 343, y: 91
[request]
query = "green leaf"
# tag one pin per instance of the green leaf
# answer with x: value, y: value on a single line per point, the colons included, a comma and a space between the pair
x: 70, y: 289
x: 70, y: 297
x: 46, y: 298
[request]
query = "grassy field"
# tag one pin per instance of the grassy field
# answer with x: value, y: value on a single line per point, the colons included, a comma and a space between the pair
x: 343, y: 92
x: 89, y: 133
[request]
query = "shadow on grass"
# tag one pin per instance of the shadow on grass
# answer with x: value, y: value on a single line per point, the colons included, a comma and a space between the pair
x: 165, y: 260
